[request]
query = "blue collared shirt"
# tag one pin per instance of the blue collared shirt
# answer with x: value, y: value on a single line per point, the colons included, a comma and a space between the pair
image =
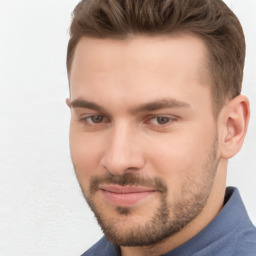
x: 231, y: 233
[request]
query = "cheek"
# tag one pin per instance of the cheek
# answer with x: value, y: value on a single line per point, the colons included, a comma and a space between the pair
x: 181, y: 155
x: 86, y: 155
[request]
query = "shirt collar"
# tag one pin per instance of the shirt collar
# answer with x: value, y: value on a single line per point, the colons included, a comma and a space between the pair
x: 231, y: 215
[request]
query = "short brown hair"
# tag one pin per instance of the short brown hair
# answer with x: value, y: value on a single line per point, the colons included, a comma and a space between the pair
x: 212, y: 20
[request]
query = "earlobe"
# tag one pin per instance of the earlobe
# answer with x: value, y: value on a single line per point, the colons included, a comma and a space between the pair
x: 235, y: 119
x: 68, y: 102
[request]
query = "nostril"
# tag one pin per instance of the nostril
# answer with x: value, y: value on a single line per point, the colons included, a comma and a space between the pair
x: 119, y: 165
x: 121, y: 172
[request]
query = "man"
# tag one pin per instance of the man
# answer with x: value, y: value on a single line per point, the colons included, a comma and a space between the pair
x: 156, y: 112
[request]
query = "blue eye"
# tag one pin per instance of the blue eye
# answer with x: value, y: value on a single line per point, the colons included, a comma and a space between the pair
x: 161, y: 120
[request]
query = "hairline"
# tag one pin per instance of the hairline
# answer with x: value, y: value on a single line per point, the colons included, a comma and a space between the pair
x: 207, y: 71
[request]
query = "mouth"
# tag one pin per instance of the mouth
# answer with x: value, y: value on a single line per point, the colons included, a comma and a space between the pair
x: 125, y: 196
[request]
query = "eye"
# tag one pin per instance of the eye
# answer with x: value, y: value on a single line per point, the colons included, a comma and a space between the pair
x: 94, y: 119
x: 161, y: 120
x: 97, y: 119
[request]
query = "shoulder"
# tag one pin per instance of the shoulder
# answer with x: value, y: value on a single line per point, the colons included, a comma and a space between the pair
x: 99, y: 245
x: 244, y: 231
x: 102, y: 248
x: 246, y: 243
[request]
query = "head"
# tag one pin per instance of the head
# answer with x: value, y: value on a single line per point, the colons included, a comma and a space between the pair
x: 156, y: 111
x: 212, y: 21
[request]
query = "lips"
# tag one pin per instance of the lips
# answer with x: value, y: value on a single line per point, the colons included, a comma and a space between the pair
x: 125, y: 195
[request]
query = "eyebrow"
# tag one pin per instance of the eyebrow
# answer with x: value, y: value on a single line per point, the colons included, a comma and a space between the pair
x: 147, y: 107
x: 160, y: 104
x: 81, y: 103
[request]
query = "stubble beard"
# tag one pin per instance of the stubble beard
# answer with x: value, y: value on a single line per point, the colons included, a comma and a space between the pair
x: 168, y: 218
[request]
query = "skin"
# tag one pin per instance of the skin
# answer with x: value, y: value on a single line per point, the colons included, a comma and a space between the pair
x: 180, y: 143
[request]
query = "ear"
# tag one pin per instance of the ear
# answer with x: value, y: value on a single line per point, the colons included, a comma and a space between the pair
x: 68, y: 102
x: 234, y: 118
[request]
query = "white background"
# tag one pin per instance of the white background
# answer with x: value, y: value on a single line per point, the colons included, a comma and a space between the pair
x: 42, y: 211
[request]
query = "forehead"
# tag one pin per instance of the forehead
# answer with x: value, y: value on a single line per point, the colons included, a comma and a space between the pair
x: 138, y: 65
x: 150, y: 50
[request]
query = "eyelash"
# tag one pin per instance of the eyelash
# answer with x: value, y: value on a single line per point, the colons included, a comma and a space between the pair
x: 86, y: 119
x: 166, y: 120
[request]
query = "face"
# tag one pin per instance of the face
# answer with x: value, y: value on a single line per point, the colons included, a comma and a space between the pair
x: 143, y: 137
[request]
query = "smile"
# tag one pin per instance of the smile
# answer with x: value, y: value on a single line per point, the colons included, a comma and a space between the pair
x: 125, y: 196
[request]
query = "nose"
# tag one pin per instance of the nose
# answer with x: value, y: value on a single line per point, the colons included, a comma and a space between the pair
x: 124, y: 152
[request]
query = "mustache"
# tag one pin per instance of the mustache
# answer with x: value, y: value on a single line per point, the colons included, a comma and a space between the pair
x: 127, y: 179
